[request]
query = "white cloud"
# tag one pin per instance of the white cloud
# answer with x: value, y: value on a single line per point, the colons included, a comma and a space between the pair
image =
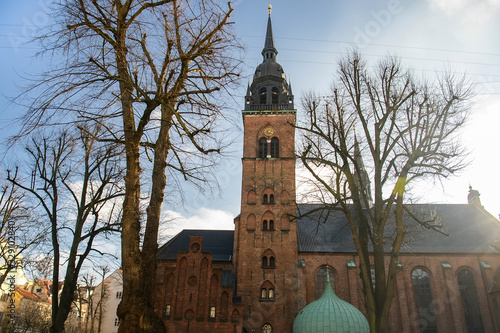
x: 204, y: 218
x: 469, y: 11
x: 449, y: 7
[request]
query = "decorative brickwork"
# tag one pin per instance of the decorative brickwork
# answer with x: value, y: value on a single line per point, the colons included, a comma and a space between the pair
x: 196, y: 294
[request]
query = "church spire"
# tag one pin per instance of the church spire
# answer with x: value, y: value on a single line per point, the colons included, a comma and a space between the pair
x: 269, y: 52
x: 362, y: 178
x: 269, y: 89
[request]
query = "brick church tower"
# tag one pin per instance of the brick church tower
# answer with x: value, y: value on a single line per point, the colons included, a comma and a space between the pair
x: 265, y: 241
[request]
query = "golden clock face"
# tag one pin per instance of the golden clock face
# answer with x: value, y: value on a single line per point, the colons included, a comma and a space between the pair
x: 269, y: 131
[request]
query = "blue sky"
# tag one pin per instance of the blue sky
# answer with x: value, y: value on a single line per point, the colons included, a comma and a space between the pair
x: 428, y: 35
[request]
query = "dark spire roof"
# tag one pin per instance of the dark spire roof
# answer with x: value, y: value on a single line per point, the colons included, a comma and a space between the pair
x: 269, y: 89
x: 269, y: 42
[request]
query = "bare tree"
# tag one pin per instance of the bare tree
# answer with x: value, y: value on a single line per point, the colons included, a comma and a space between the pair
x: 88, y: 303
x: 99, y: 309
x: 18, y: 230
x: 33, y: 317
x: 408, y: 129
x: 83, y: 303
x: 153, y: 73
x: 76, y: 182
x: 41, y: 266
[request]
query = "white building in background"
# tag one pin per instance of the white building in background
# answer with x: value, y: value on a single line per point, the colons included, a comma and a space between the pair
x: 105, y: 299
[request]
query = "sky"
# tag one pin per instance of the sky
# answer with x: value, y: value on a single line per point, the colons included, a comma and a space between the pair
x: 428, y: 36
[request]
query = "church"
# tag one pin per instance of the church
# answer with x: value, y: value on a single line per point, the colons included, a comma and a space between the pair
x: 261, y: 276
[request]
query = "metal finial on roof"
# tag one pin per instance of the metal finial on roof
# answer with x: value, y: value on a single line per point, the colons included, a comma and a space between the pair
x: 269, y: 7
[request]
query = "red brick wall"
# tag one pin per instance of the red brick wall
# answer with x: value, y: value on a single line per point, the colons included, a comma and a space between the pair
x: 297, y: 287
x: 404, y: 313
x: 192, y: 285
x: 277, y: 177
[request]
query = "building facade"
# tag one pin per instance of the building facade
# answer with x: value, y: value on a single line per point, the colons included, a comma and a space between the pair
x: 104, y: 303
x: 258, y: 277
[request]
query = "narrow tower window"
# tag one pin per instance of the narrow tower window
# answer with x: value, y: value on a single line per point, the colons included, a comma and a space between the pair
x: 272, y: 262
x: 264, y: 261
x: 263, y: 95
x: 271, y: 224
x: 262, y: 148
x: 264, y: 199
x: 264, y: 225
x: 275, y: 147
x: 271, y: 198
x: 275, y: 94
x: 267, y: 292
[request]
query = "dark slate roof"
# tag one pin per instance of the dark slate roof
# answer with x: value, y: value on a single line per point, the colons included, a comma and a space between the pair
x: 470, y: 230
x: 217, y: 242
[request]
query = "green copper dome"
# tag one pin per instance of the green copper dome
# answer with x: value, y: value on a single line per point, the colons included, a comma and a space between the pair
x: 330, y: 314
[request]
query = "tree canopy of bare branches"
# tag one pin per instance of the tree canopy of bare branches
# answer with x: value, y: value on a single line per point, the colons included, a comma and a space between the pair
x: 75, y: 181
x: 19, y: 232
x: 380, y: 131
x: 154, y: 74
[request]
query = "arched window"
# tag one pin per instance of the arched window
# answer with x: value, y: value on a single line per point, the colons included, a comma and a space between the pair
x: 267, y: 328
x: 264, y: 262
x: 212, y: 312
x: 275, y: 95
x: 275, y: 148
x: 272, y: 262
x: 271, y: 198
x: 262, y: 148
x: 321, y: 280
x: 271, y: 225
x: 264, y: 225
x: 423, y: 298
x: 470, y: 302
x: 263, y: 95
x: 265, y: 200
x: 267, y: 293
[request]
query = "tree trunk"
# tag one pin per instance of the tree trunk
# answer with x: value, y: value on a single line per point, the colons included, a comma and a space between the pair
x: 135, y: 311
